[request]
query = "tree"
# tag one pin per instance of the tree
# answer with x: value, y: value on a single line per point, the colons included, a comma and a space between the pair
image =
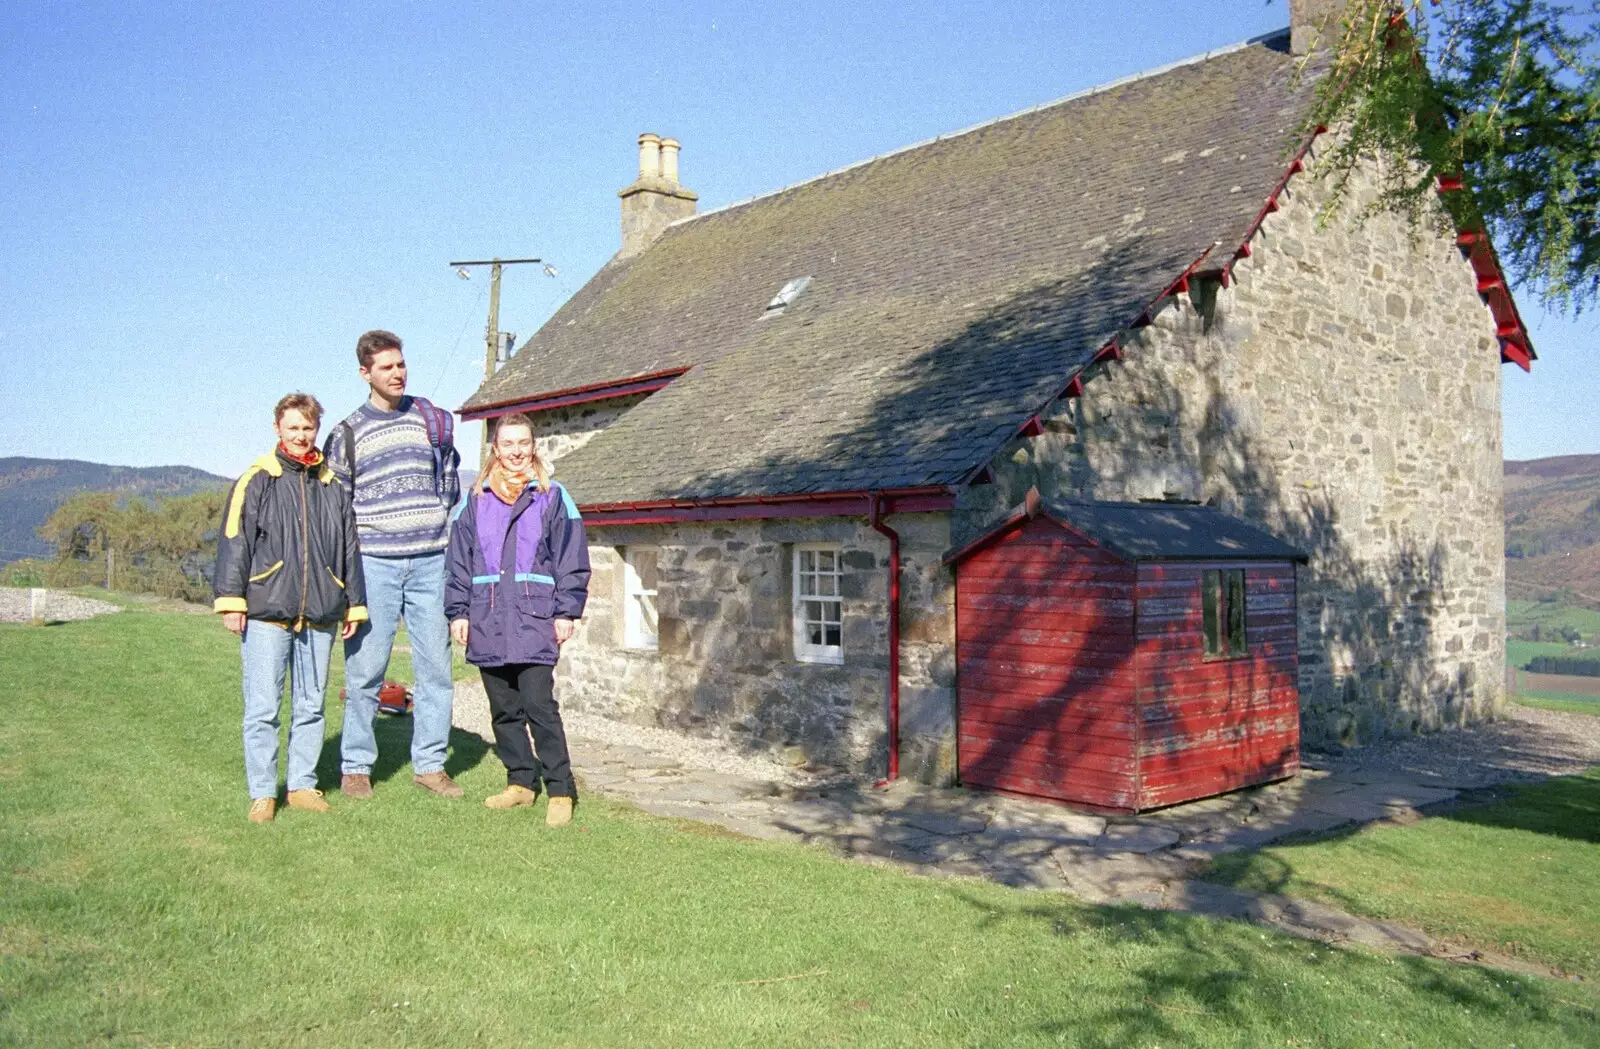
x: 1503, y: 94
x: 166, y: 548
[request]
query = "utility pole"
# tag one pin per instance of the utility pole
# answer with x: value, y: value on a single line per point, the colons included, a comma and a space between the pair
x: 491, y: 349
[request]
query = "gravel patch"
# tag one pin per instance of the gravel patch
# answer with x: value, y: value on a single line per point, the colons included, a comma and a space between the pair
x: 472, y: 715
x: 1523, y: 745
x: 57, y: 606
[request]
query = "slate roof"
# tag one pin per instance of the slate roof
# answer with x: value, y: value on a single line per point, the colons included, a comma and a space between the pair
x: 956, y: 287
x: 1170, y: 532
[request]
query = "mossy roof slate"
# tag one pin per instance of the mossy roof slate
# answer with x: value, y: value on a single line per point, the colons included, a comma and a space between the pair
x: 956, y: 287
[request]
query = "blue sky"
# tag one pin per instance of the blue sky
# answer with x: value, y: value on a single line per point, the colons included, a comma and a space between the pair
x: 202, y: 205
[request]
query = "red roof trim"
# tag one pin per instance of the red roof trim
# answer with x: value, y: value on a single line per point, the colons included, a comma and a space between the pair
x: 1026, y: 511
x: 758, y: 507
x: 1515, y: 346
x: 599, y: 391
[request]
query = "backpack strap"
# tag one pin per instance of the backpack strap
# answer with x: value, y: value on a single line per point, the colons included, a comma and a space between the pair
x: 350, y: 450
x: 441, y: 437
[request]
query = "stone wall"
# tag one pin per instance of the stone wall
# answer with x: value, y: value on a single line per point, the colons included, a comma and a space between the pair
x: 725, y: 665
x: 562, y: 431
x: 1345, y: 392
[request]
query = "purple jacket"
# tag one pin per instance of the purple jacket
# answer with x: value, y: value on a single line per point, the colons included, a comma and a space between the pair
x: 515, y: 569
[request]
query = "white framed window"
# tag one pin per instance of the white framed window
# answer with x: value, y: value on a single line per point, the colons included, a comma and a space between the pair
x: 818, y: 608
x: 639, y: 597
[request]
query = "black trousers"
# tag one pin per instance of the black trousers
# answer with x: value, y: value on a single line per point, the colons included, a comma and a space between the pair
x: 522, y: 698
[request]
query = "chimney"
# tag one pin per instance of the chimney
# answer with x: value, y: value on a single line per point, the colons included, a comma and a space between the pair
x: 655, y: 200
x: 1314, y: 24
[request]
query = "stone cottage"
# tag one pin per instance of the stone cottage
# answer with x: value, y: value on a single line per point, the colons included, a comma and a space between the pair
x: 779, y: 415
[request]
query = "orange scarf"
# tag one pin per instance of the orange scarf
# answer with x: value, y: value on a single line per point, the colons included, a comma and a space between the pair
x: 505, y: 484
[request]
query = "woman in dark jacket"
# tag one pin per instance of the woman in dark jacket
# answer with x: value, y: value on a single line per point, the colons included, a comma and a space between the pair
x: 517, y: 582
x: 288, y: 575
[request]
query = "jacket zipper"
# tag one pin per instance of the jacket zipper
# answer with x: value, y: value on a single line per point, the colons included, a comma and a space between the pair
x: 305, y: 554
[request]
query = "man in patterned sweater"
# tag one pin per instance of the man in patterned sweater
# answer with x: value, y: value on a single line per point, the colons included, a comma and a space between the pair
x: 395, y: 457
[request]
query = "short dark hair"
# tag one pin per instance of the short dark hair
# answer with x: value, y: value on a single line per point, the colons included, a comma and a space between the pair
x: 303, y: 403
x: 373, y: 343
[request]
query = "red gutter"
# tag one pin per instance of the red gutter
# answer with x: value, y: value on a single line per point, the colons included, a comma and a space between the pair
x: 599, y: 391
x: 757, y: 507
x: 876, y: 518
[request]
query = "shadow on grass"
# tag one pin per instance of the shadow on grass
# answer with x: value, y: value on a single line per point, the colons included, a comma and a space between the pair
x: 1225, y: 973
x: 1562, y: 807
x: 393, y: 734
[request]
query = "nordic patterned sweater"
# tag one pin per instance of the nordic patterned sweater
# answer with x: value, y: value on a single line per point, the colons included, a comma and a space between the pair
x: 399, y: 512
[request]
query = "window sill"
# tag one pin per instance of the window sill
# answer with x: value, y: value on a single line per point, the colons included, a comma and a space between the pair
x: 823, y: 658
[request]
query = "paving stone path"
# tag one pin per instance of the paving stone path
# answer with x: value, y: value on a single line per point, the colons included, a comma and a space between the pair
x: 1148, y: 861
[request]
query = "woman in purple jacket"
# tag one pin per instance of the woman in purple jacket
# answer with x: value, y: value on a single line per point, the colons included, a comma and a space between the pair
x: 518, y: 581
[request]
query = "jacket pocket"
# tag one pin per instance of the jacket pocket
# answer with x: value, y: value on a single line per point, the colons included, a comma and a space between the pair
x: 336, y: 580
x: 268, y: 574
x: 535, y: 595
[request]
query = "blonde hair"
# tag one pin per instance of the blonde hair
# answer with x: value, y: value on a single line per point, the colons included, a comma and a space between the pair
x: 541, y: 469
x: 303, y: 403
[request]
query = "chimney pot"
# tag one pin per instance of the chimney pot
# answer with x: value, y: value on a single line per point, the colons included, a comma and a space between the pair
x: 649, y: 157
x: 669, y: 161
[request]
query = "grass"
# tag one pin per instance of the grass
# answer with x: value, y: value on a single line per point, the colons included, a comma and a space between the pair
x: 1520, y: 653
x: 1570, y: 702
x: 1517, y: 874
x: 138, y: 908
x: 1552, y: 617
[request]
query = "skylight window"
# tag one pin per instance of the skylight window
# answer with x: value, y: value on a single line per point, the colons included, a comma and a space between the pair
x: 786, y: 295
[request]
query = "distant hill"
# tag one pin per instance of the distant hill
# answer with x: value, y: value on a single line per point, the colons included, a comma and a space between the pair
x: 31, y: 489
x: 1553, y: 528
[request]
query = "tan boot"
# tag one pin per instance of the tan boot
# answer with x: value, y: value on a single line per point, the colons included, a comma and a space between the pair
x: 559, y: 814
x: 308, y: 801
x: 438, y: 783
x: 263, y: 809
x: 513, y: 797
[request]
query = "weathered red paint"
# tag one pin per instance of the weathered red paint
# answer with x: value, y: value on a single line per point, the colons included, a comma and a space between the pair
x: 600, y: 391
x: 1082, y: 678
x: 763, y: 507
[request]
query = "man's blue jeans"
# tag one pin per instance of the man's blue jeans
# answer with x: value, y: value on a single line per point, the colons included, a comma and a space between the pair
x: 412, y: 587
x: 268, y: 652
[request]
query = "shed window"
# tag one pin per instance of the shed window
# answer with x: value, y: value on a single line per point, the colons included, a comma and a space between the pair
x: 1222, y: 612
x: 639, y: 597
x: 818, y: 609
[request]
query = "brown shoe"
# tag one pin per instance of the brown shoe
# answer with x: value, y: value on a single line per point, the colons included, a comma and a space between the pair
x: 439, y: 783
x: 355, y: 785
x: 513, y: 797
x: 559, y: 814
x: 308, y: 800
x: 263, y: 809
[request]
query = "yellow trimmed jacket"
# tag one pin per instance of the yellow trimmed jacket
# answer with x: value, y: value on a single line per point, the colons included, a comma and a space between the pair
x: 287, y: 552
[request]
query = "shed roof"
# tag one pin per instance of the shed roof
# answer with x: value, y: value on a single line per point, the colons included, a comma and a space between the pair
x: 1147, y: 531
x: 956, y: 288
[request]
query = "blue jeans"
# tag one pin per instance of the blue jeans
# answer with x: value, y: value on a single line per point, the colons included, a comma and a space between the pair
x: 269, y: 651
x: 412, y: 587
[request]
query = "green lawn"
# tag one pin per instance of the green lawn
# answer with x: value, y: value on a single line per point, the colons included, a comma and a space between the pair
x: 1570, y: 702
x: 138, y: 908
x: 1552, y: 617
x: 1520, y: 653
x: 1521, y: 875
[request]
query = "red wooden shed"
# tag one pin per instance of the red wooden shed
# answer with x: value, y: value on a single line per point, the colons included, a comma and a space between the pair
x: 1125, y: 656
